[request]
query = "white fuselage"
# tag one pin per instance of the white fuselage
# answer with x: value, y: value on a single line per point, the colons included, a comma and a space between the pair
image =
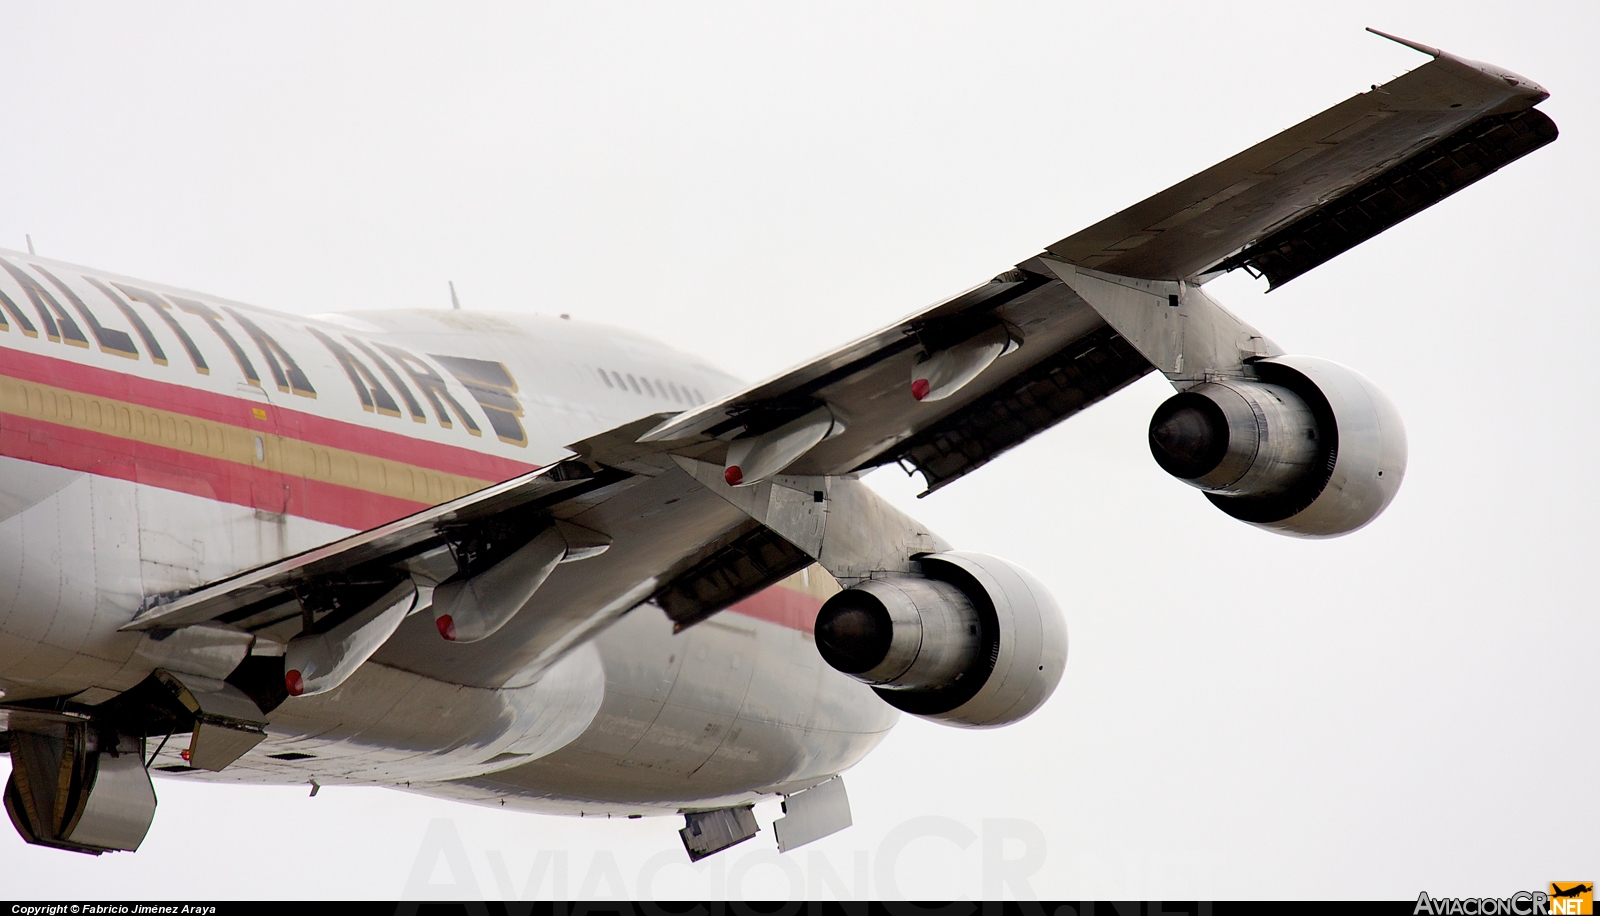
x: 153, y: 440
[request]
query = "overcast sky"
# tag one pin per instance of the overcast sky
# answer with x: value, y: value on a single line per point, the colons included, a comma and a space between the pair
x: 1410, y: 708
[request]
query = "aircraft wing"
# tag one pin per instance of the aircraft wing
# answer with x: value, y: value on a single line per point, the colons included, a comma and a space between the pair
x: 650, y: 532
x: 1330, y: 182
x: 346, y: 559
x: 998, y: 364
x: 1277, y: 209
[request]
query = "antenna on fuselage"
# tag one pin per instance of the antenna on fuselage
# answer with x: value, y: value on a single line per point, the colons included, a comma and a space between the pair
x: 30, y: 243
x: 455, y: 303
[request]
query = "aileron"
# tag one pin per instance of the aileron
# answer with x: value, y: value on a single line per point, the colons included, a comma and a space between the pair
x: 1207, y: 223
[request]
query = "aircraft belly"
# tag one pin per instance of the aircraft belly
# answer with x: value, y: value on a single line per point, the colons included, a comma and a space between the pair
x: 698, y: 715
x: 719, y: 734
x: 641, y: 720
x: 388, y: 727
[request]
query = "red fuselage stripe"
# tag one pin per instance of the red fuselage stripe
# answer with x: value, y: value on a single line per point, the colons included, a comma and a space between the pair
x: 198, y: 475
x: 783, y: 606
x: 235, y: 411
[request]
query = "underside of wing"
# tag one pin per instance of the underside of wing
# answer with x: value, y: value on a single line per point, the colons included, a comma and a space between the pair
x: 945, y: 390
x: 1059, y: 358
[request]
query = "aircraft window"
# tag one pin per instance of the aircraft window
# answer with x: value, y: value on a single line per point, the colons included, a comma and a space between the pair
x: 674, y: 389
x: 648, y: 388
x: 661, y: 388
x: 607, y: 379
x: 698, y: 397
x: 620, y: 383
x: 634, y: 384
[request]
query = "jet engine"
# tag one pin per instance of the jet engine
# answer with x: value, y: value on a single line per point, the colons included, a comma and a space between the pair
x: 972, y: 641
x: 1309, y: 448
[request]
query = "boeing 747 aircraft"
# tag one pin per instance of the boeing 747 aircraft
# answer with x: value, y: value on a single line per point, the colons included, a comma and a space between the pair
x: 562, y: 568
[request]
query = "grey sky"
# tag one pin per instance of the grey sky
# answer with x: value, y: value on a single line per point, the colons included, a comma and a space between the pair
x: 1412, y: 707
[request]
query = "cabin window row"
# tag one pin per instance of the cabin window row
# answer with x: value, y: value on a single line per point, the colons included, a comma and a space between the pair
x: 666, y: 391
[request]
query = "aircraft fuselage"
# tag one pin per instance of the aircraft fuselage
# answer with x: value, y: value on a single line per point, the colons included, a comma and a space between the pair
x: 153, y: 440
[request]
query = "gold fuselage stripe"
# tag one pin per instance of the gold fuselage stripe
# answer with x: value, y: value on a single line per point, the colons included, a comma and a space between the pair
x: 196, y: 436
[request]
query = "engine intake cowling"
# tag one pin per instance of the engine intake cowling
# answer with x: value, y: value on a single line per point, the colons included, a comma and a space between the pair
x: 1309, y: 448
x: 972, y: 641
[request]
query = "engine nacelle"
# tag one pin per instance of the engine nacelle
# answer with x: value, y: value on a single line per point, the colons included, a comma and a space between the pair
x: 1310, y: 448
x: 973, y: 641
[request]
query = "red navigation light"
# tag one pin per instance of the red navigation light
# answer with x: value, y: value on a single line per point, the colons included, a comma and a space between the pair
x: 919, y: 388
x: 733, y: 475
x: 184, y: 753
x: 293, y: 682
x: 447, y: 626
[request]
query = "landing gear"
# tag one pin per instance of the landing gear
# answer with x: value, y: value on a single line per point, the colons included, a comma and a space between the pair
x: 76, y: 788
x: 82, y: 782
x: 810, y: 815
x: 708, y: 832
